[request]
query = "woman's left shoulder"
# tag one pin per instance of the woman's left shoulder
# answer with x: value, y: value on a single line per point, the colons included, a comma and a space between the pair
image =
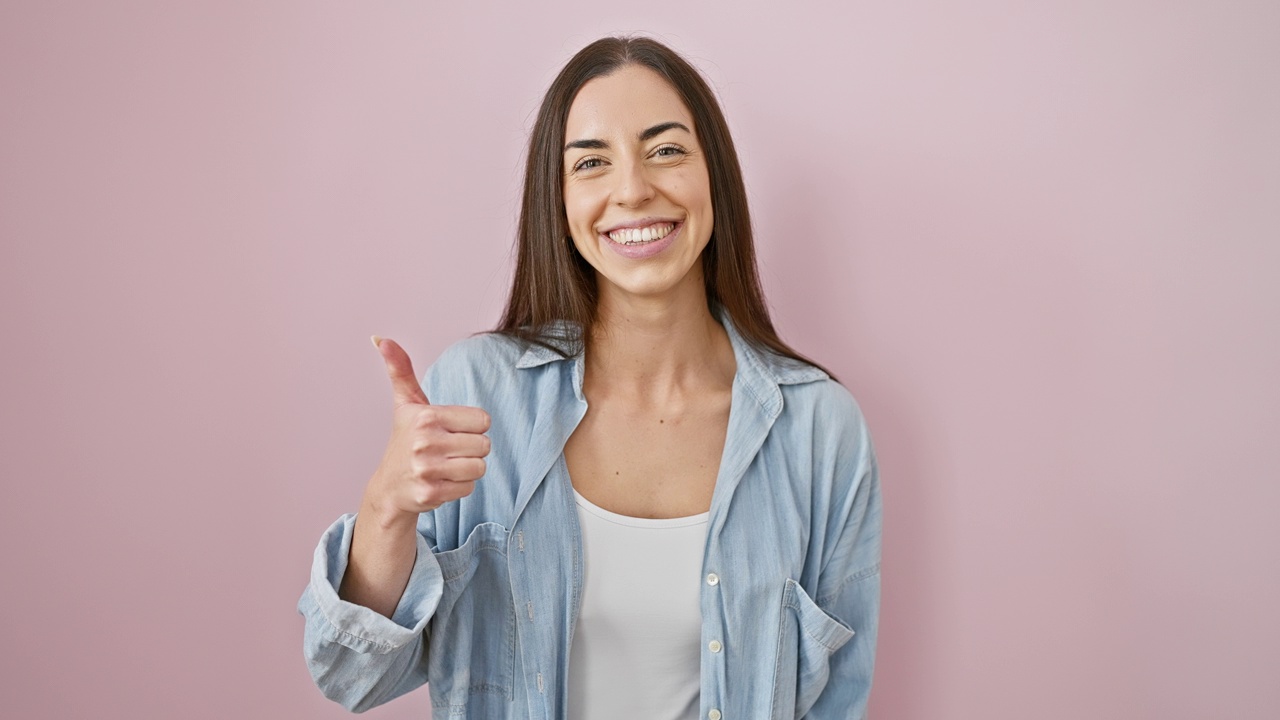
x: 825, y: 399
x: 833, y: 421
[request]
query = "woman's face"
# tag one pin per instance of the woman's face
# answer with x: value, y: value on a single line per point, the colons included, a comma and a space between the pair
x: 636, y: 189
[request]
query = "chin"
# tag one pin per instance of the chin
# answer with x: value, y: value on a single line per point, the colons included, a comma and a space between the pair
x: 643, y: 285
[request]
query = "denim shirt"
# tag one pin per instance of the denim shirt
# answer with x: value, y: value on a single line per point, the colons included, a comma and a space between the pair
x: 790, y: 585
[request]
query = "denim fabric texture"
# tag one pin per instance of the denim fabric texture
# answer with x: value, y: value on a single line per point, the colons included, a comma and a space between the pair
x: 790, y: 573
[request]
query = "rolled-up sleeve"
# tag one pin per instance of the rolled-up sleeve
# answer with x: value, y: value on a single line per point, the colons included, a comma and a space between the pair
x: 358, y: 657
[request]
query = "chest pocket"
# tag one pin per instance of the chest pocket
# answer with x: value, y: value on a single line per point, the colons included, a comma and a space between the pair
x: 471, y: 645
x: 807, y: 636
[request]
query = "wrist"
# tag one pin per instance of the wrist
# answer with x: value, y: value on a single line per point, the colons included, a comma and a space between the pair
x: 387, y: 517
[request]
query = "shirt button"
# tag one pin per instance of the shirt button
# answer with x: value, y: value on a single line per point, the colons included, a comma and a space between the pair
x: 715, y: 646
x: 713, y: 579
x: 713, y: 715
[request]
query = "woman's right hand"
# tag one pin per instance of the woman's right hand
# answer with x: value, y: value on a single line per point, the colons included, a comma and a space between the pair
x: 435, y: 453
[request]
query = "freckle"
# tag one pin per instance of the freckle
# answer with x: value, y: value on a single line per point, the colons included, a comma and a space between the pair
x: 615, y: 472
x: 661, y: 421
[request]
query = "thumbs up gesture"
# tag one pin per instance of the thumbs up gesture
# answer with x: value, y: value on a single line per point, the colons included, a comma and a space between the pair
x: 436, y: 452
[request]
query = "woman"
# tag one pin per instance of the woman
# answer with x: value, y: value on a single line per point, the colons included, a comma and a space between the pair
x: 632, y: 498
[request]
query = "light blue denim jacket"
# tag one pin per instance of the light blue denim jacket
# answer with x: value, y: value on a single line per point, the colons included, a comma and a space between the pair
x: 791, y: 566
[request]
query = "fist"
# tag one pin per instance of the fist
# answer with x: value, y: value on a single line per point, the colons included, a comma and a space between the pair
x: 436, y: 452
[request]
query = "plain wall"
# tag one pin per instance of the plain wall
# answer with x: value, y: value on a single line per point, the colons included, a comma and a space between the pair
x: 1038, y: 241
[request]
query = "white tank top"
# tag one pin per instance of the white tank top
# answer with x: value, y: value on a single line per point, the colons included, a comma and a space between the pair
x: 637, y: 645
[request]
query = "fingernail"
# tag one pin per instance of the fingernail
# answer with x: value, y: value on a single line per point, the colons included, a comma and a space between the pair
x: 376, y: 340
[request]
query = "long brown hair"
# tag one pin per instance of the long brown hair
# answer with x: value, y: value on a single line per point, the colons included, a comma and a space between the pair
x: 553, y: 283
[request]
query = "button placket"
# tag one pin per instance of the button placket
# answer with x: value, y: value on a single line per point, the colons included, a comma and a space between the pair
x: 714, y: 646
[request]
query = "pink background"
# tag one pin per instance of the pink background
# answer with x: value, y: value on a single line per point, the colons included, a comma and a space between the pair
x: 1037, y: 240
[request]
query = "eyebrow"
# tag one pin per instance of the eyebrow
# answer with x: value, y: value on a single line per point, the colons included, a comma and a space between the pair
x: 649, y: 134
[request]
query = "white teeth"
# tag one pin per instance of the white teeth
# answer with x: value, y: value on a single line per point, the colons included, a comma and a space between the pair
x: 631, y: 236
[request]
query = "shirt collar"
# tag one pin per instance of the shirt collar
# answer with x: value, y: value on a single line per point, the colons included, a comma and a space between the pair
x: 564, y: 335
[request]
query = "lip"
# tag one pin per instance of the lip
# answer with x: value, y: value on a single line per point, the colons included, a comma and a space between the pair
x: 637, y: 252
x: 642, y: 222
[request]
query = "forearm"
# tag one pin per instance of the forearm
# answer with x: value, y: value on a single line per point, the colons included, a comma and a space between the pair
x: 383, y: 551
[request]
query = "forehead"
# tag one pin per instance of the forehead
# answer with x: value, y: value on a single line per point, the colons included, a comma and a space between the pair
x: 624, y: 103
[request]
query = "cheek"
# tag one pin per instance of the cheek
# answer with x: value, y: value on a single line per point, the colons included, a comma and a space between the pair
x: 575, y: 215
x: 580, y: 208
x: 694, y: 189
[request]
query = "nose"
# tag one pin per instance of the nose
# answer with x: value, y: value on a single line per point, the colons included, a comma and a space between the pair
x: 634, y: 187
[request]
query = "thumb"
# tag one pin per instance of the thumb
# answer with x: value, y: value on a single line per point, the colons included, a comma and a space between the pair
x: 404, y: 384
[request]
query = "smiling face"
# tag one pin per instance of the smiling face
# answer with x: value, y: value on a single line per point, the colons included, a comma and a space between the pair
x: 637, y: 195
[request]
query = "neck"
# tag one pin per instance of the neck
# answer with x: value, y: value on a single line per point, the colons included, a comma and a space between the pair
x: 655, y: 346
